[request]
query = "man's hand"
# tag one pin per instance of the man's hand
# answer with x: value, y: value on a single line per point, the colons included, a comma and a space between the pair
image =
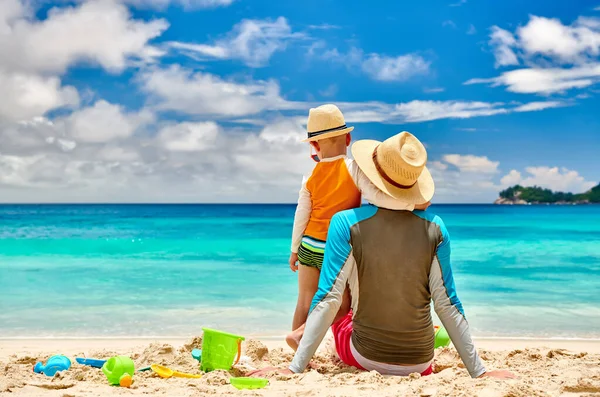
x: 294, y: 261
x: 498, y: 374
x: 422, y: 207
x: 259, y: 373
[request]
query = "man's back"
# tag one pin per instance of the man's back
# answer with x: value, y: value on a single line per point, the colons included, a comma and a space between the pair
x: 393, y: 251
x: 395, y: 263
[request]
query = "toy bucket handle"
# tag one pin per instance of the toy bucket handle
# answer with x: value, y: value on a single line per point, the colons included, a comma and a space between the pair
x: 239, y: 354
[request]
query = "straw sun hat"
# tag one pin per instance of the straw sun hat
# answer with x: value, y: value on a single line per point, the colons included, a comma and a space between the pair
x: 397, y: 167
x: 326, y: 121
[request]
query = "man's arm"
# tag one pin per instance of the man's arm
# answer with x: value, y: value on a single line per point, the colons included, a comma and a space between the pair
x: 301, y: 217
x: 337, y: 265
x: 371, y: 193
x: 448, y: 306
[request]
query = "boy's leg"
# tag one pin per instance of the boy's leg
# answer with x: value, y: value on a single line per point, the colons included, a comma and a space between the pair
x: 308, y: 282
x: 293, y: 339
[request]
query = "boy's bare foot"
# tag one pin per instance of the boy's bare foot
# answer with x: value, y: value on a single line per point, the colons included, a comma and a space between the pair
x: 294, y: 337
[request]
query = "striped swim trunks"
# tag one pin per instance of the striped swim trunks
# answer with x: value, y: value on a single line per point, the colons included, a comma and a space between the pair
x: 311, y: 252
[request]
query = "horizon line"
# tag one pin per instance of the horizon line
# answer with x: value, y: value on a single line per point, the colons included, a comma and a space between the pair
x: 258, y: 203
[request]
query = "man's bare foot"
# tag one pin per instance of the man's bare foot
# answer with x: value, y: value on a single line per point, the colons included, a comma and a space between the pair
x: 293, y: 339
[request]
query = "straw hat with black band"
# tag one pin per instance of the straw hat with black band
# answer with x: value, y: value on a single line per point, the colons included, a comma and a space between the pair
x: 326, y: 121
x: 396, y: 166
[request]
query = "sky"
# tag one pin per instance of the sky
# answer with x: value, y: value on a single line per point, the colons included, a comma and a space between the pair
x: 207, y: 100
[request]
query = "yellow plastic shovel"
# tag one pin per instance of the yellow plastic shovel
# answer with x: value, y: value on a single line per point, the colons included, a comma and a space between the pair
x: 165, y: 372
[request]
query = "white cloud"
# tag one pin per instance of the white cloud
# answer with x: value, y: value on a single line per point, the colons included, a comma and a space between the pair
x: 438, y: 165
x: 28, y: 137
x: 252, y: 41
x: 181, y: 90
x: 400, y: 68
x: 458, y: 3
x: 544, y: 80
x: 546, y: 45
x: 536, y: 106
x: 472, y: 30
x: 290, y: 130
x: 464, y: 179
x: 11, y: 170
x: 66, y: 145
x: 378, y: 67
x: 449, y: 23
x: 206, y: 50
x: 117, y: 153
x: 189, y: 137
x: 512, y: 178
x: 554, y: 178
x: 419, y: 111
x: 324, y: 26
x: 95, y: 32
x: 416, y: 111
x: 186, y: 4
x: 329, y: 91
x: 25, y: 96
x: 576, y: 43
x: 104, y: 122
x: 471, y: 163
x: 433, y: 90
x: 187, y: 161
x: 193, y: 162
x: 10, y: 11
x: 502, y: 41
x: 100, y: 32
x: 201, y: 93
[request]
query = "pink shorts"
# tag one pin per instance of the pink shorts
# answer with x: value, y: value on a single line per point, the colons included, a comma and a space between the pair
x: 342, y: 333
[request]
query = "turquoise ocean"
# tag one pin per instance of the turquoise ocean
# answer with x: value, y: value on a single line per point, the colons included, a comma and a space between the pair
x: 168, y: 270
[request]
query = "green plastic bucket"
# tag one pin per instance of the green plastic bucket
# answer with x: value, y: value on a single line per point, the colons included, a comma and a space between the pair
x: 219, y: 350
x: 442, y: 339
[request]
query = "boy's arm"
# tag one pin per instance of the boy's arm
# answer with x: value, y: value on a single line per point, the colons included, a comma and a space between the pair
x: 372, y: 194
x: 302, y: 216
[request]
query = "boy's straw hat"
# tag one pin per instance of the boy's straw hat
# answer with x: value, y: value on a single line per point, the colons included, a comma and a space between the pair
x: 326, y: 121
x: 397, y: 167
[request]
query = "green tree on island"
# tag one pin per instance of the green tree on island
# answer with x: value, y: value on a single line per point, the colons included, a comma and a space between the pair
x: 536, y: 194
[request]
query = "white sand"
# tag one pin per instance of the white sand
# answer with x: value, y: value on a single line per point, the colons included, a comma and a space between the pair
x: 544, y: 367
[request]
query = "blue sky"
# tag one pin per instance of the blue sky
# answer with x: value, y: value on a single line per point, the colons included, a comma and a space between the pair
x: 205, y: 100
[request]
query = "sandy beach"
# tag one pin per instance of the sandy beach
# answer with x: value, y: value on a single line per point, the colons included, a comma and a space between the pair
x: 545, y: 368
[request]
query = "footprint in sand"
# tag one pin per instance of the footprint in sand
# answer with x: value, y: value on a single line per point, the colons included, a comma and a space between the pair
x: 54, y: 386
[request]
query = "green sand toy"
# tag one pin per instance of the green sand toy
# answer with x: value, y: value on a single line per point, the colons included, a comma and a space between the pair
x: 219, y: 350
x: 442, y: 339
x: 119, y: 370
x: 248, y: 383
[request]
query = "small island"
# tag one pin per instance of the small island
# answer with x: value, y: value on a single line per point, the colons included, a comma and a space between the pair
x: 537, y: 195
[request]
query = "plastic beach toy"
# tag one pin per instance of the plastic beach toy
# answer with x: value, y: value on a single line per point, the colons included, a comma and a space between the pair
x: 92, y: 362
x: 119, y: 370
x: 197, y: 354
x: 165, y: 372
x: 442, y: 339
x: 219, y: 350
x: 53, y: 365
x: 248, y: 383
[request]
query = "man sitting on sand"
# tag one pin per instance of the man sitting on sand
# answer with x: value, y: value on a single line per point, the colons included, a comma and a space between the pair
x: 394, y: 264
